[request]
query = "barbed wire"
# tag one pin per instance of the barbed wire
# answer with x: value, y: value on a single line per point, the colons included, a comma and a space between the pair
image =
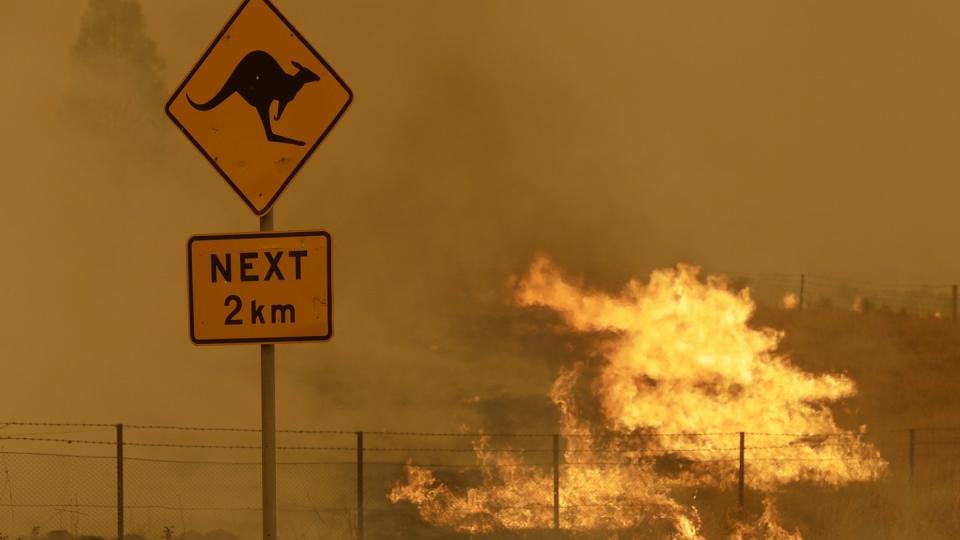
x: 66, y: 441
x: 932, y: 443
x: 55, y: 424
x: 50, y: 454
x: 663, y: 451
x: 628, y: 461
x: 913, y: 298
x: 280, y: 508
x: 480, y: 434
x: 823, y: 279
x: 156, y: 483
x: 817, y: 460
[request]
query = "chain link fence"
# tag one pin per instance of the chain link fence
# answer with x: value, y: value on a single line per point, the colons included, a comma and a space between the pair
x: 806, y: 291
x: 190, y: 483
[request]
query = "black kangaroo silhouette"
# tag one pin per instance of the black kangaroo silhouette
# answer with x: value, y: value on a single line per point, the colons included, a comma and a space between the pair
x: 260, y: 80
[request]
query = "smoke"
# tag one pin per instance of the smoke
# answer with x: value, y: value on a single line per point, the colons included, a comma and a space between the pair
x: 116, y: 84
x: 617, y: 139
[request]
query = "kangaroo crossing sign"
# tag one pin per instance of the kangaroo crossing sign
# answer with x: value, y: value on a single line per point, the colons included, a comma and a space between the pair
x: 258, y: 103
x: 259, y: 287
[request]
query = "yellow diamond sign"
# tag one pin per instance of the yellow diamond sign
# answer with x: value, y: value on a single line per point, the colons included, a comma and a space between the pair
x: 258, y: 103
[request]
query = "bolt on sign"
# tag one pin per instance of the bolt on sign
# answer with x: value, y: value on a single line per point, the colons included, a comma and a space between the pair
x: 258, y: 103
x: 259, y: 287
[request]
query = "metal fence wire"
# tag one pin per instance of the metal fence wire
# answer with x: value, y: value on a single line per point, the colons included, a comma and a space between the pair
x: 801, y: 291
x: 64, y: 481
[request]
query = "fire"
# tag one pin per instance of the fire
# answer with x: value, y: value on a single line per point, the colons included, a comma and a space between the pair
x: 683, y: 376
x: 791, y: 301
x: 514, y: 495
x: 766, y: 528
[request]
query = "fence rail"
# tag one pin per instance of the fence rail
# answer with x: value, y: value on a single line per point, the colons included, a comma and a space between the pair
x: 803, y: 291
x: 334, y: 485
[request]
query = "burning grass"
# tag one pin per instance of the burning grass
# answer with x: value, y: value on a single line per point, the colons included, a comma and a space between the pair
x: 683, y: 373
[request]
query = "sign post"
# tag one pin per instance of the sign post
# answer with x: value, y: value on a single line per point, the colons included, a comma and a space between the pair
x: 263, y: 288
x: 256, y: 105
x: 268, y: 422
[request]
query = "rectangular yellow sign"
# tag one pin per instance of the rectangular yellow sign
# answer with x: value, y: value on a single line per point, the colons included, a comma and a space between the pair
x: 260, y: 287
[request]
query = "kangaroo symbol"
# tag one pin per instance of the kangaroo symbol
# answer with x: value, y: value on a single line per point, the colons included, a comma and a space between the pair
x: 260, y: 80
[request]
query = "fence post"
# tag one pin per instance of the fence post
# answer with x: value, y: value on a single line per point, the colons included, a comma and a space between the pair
x: 954, y: 304
x: 740, y: 486
x: 359, y: 485
x: 803, y: 280
x: 119, y: 481
x: 913, y: 445
x: 556, y: 481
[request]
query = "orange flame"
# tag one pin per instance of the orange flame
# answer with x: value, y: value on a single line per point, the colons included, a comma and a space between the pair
x: 791, y: 301
x: 766, y: 528
x: 684, y: 375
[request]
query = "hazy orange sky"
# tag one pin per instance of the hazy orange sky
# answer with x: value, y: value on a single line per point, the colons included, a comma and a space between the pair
x: 616, y: 136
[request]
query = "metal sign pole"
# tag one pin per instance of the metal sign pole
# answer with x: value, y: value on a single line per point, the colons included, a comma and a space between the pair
x: 248, y: 160
x: 268, y: 423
